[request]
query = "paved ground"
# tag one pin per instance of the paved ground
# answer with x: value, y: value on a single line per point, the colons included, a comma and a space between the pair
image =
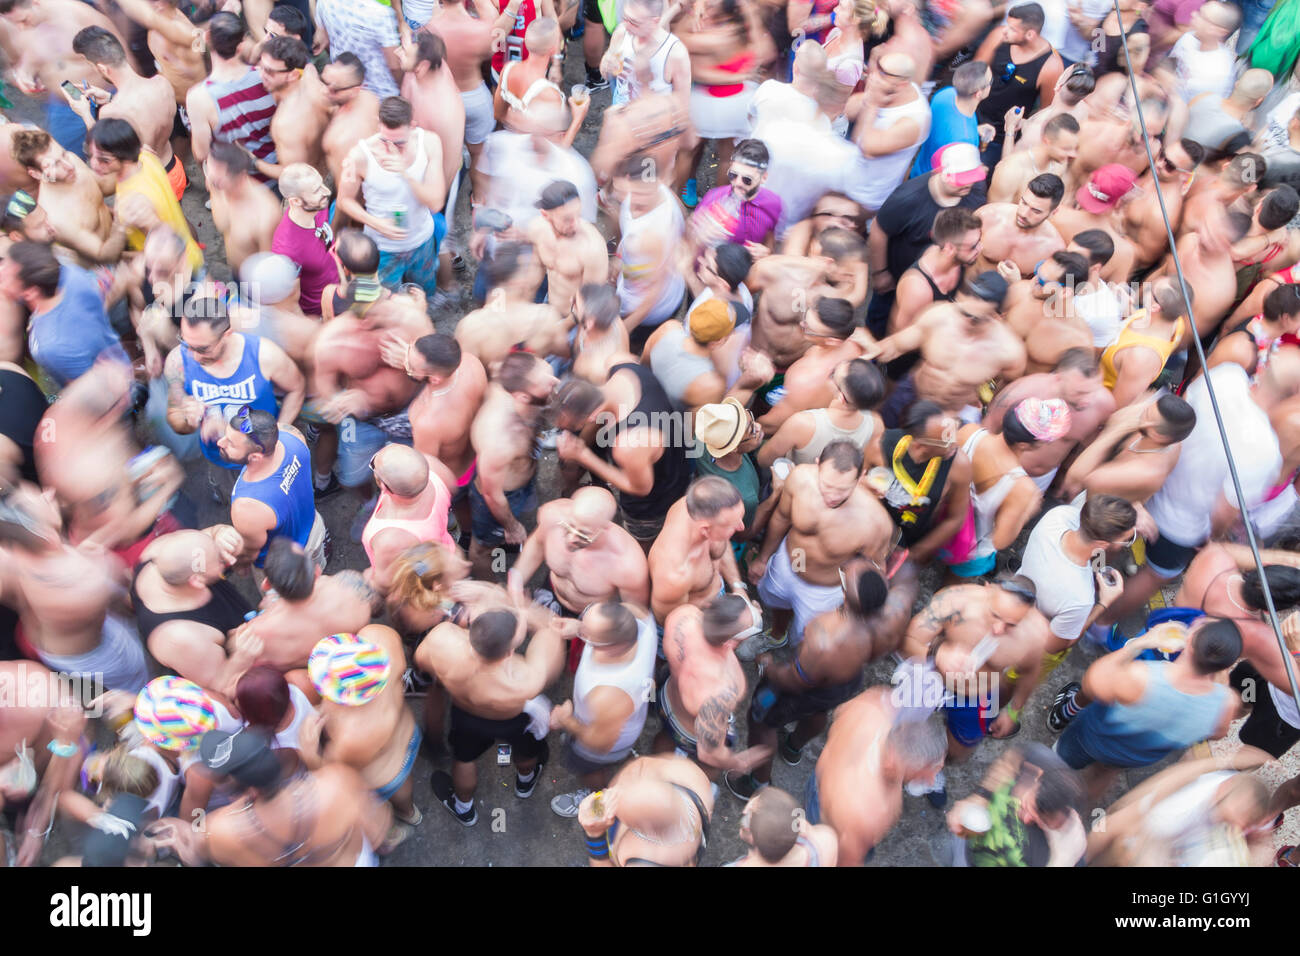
x: 513, y: 832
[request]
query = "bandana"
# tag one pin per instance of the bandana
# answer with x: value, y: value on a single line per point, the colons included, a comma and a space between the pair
x: 1046, y: 419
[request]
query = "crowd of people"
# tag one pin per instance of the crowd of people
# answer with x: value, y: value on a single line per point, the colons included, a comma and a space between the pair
x: 847, y: 339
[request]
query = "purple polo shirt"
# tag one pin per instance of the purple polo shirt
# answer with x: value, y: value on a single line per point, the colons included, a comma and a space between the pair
x: 758, y: 216
x: 310, y: 249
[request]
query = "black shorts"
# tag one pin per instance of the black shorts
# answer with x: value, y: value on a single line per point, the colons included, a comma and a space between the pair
x: 1168, y: 559
x: 470, y: 735
x: 1264, y: 728
x: 591, y: 12
x: 775, y: 708
x: 903, y: 395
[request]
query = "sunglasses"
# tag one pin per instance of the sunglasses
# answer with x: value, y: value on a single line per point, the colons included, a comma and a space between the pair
x: 755, y: 429
x: 1038, y: 278
x: 744, y: 180
x: 941, y: 444
x: 244, y: 422
x: 1019, y: 590
x: 201, y: 349
x: 341, y: 89
x: 586, y: 539
x: 394, y: 143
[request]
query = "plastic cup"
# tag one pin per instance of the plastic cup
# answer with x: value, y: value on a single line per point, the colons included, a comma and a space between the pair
x: 579, y: 94
x: 976, y: 819
x: 781, y: 468
x: 879, y: 479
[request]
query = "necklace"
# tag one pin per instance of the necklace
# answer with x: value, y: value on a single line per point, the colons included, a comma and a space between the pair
x: 1133, y: 447
x: 919, y: 490
x: 1228, y: 591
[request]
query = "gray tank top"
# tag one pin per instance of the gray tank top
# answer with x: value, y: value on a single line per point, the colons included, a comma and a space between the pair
x: 1208, y: 125
x: 675, y: 367
x: 825, y: 433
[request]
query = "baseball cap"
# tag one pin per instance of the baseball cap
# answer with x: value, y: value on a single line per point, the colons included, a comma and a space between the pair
x: 1106, y: 187
x: 710, y: 321
x: 245, y: 755
x: 960, y: 162
x: 722, y: 427
x: 557, y: 194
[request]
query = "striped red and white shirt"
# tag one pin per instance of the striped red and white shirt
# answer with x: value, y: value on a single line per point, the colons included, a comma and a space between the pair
x: 244, y: 111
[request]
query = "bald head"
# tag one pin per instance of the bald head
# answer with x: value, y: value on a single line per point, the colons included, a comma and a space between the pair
x: 593, y: 507
x: 1253, y: 86
x: 404, y: 471
x: 810, y: 58
x: 182, y: 555
x: 898, y: 64
x: 542, y: 37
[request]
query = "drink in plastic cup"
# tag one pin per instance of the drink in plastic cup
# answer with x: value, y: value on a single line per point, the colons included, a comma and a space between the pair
x: 579, y: 94
x: 879, y: 479
x: 976, y: 819
x: 781, y: 468
x: 1171, y: 637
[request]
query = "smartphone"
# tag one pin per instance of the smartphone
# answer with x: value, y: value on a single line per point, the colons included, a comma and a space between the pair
x: 503, y: 755
x: 72, y: 89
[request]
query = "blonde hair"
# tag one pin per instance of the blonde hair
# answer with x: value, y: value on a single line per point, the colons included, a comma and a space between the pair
x: 417, y: 576
x: 123, y: 772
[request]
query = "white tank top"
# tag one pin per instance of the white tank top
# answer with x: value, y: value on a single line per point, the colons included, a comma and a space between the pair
x: 987, y: 503
x: 877, y: 176
x: 635, y: 678
x: 626, y: 85
x: 387, y: 193
x: 667, y: 223
x: 287, y: 739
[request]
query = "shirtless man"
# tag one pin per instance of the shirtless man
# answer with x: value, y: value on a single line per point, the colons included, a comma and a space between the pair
x: 940, y: 270
x: 63, y: 596
x: 526, y: 81
x: 244, y: 211
x: 827, y: 668
x: 185, y: 609
x: 510, y: 321
x: 1040, y: 309
x: 1021, y: 234
x: 829, y: 327
x: 71, y: 198
x: 600, y: 341
x: 430, y: 88
x: 1059, y: 146
x: 504, y: 436
x: 355, y: 111
x: 1072, y: 89
x: 147, y: 104
x: 964, y: 346
x: 571, y: 249
x: 590, y: 558
x: 302, y: 105
x: 352, y: 379
x: 175, y: 42
x: 269, y: 826
x: 662, y: 805
x: 787, y: 284
x: 305, y: 606
x: 1133, y: 454
x: 46, y: 58
x: 705, y: 684
x: 1076, y: 380
x: 369, y: 729
x: 469, y: 43
x: 971, y: 634
x: 691, y: 561
x: 444, y: 409
x: 870, y: 755
x: 1096, y: 205
x: 1176, y: 166
x: 778, y: 834
x: 654, y: 125
x: 824, y: 517
x: 491, y: 688
x: 1205, y: 253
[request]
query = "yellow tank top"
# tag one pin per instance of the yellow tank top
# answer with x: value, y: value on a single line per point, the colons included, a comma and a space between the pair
x: 150, y: 181
x: 1128, y: 338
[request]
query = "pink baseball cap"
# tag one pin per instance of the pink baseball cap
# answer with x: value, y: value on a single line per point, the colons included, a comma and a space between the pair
x: 960, y: 162
x: 1106, y: 187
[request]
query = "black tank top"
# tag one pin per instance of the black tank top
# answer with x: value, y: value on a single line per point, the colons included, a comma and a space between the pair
x: 896, y: 499
x: 1014, y: 84
x: 22, y: 404
x: 672, y: 470
x: 224, y: 611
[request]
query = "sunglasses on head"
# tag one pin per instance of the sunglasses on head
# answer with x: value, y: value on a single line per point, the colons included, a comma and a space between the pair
x: 1019, y: 590
x: 244, y: 422
x: 586, y: 539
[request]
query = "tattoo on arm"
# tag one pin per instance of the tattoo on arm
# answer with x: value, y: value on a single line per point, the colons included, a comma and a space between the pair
x: 711, y: 722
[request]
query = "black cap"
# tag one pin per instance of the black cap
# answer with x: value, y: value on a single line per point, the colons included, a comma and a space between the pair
x: 245, y: 755
x: 988, y: 287
x: 557, y: 194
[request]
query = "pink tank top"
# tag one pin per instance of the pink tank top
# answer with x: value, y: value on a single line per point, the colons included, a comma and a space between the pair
x: 431, y: 528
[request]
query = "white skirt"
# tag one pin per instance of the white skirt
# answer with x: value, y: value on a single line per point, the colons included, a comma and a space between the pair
x: 721, y: 117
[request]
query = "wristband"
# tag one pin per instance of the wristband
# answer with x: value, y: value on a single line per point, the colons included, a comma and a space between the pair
x: 983, y: 791
x: 598, y: 847
x: 62, y: 750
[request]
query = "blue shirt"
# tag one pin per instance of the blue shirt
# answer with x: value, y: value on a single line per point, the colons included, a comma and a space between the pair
x: 245, y: 386
x: 288, y: 492
x: 65, y: 340
x: 947, y: 125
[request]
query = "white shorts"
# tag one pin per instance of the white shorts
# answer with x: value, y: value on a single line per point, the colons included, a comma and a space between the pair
x: 479, y: 120
x: 118, y: 659
x: 781, y: 587
x: 1271, y: 515
x: 721, y: 117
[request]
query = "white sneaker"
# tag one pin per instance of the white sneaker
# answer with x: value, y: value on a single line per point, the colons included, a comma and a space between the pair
x: 751, y: 647
x: 566, y: 804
